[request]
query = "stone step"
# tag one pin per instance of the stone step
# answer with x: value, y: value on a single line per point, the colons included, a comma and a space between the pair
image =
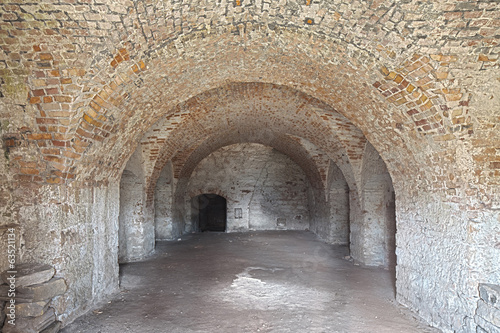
x: 31, y: 324
x: 29, y: 274
x: 38, y: 292
x: 34, y: 309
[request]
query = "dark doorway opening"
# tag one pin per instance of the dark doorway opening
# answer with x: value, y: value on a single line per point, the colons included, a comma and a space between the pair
x: 210, y: 212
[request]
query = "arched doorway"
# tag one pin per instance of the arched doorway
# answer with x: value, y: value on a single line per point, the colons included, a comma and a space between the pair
x: 209, y: 212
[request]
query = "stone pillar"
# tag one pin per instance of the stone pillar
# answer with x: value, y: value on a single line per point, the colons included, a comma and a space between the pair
x: 378, y: 221
x: 372, y: 214
x: 356, y: 225
x: 163, y: 204
x: 338, y: 199
x: 136, y: 230
x: 136, y: 219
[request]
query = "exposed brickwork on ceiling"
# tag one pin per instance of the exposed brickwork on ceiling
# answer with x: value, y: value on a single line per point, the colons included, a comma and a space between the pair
x: 185, y: 162
x: 240, y: 112
x: 81, y: 67
x: 85, y: 82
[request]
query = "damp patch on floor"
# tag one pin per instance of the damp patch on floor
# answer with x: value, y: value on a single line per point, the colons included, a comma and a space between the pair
x: 252, y: 293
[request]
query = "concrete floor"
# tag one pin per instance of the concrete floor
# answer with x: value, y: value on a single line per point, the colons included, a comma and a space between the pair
x: 279, y: 281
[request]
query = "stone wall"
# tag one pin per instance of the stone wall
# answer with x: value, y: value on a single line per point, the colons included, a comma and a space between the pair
x: 266, y: 185
x: 76, y: 231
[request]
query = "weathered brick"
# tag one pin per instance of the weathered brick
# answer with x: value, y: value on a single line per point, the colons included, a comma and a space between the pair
x: 40, y: 136
x: 385, y: 70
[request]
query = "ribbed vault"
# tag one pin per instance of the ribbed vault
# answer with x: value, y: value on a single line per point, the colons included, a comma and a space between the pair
x: 85, y: 84
x: 185, y: 163
x: 244, y: 109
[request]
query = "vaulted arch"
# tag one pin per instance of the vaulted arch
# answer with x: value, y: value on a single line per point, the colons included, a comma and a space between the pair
x: 84, y: 86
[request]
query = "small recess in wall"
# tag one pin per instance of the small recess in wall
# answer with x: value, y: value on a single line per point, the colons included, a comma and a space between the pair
x: 238, y: 213
x: 281, y: 222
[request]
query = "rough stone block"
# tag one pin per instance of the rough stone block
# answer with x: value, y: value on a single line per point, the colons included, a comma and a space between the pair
x: 54, y: 328
x: 36, y: 293
x: 34, y: 309
x: 30, y: 274
x: 488, y: 313
x: 4, y: 233
x: 490, y: 293
x: 486, y: 326
x: 5, y: 290
x: 31, y: 324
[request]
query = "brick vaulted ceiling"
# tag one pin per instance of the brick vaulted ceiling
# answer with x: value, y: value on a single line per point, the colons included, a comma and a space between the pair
x: 185, y: 162
x: 252, y: 112
x: 84, y: 83
x: 91, y: 78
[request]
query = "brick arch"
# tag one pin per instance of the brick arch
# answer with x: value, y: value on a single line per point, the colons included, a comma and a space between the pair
x: 217, y: 191
x: 290, y: 147
x: 77, y: 101
x: 186, y: 163
x: 242, y: 110
x: 126, y: 89
x: 159, y: 67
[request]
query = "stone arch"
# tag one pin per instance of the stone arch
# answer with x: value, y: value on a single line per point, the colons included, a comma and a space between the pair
x: 304, y: 121
x: 199, y: 208
x: 329, y: 94
x: 399, y: 87
x: 90, y: 102
x: 216, y: 191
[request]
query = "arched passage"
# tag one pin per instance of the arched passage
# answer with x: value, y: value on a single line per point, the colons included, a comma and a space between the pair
x: 264, y: 188
x: 209, y: 212
x: 418, y: 78
x: 301, y: 118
